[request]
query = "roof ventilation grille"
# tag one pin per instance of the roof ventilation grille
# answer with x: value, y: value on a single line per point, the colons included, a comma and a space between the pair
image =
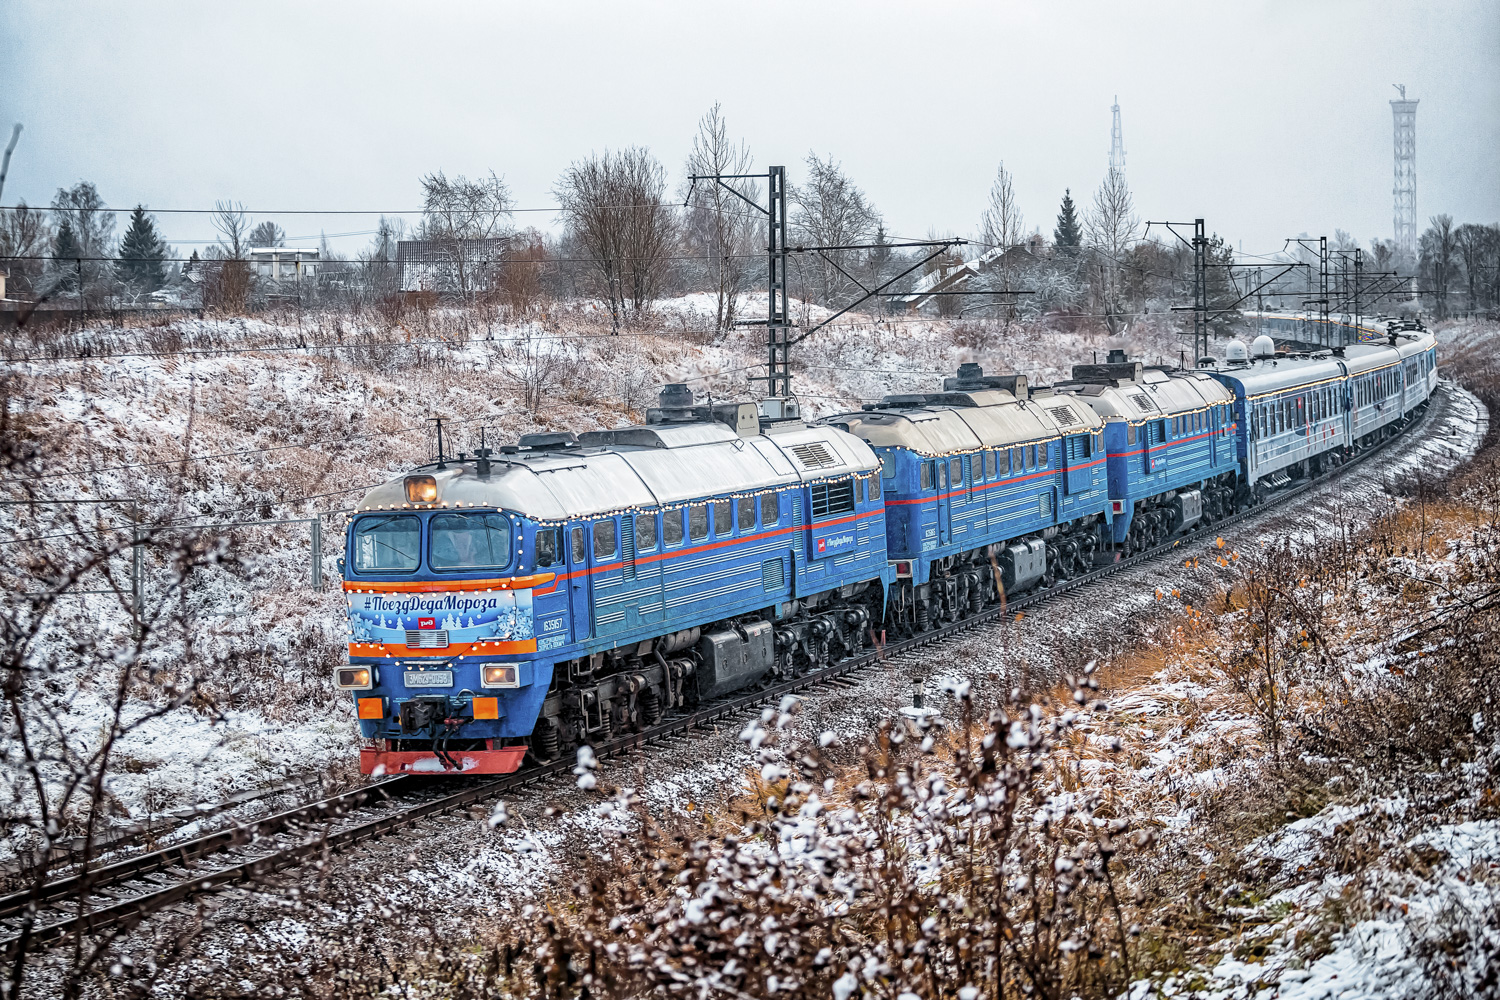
x: 1063, y: 414
x: 814, y: 455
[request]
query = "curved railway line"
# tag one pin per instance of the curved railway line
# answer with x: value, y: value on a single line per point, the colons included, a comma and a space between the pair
x: 121, y: 893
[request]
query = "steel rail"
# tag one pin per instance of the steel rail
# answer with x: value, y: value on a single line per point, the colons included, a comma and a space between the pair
x: 123, y: 909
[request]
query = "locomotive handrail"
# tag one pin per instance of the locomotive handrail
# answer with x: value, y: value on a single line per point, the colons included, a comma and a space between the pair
x: 444, y: 586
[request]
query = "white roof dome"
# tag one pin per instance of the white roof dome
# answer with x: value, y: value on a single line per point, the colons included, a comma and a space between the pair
x: 1263, y: 346
x: 1236, y: 351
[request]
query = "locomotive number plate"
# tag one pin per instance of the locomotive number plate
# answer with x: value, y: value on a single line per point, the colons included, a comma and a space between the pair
x: 429, y: 678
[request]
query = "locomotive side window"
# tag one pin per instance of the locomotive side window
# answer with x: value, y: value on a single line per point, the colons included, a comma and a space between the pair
x: 723, y: 517
x: 1031, y: 456
x: 747, y: 513
x: 645, y: 532
x: 671, y: 527
x: 830, y: 499
x: 580, y: 554
x: 989, y: 465
x: 770, y: 510
x: 698, y: 521
x: 956, y: 471
x: 546, y: 547
x: 605, y: 542
x: 1130, y: 433
x: 387, y: 544
x: 926, y: 475
x: 461, y: 541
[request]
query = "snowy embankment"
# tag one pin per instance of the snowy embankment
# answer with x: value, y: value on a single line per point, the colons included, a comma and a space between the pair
x: 199, y: 423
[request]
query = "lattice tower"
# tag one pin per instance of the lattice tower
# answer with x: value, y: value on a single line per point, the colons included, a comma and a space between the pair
x: 1404, y: 113
x: 1116, y: 140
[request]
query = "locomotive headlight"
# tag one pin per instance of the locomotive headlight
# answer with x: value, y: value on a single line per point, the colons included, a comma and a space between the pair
x: 500, y: 675
x: 353, y: 678
x: 421, y: 489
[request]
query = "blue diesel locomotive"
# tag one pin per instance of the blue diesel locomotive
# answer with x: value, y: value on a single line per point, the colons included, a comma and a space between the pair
x: 571, y: 588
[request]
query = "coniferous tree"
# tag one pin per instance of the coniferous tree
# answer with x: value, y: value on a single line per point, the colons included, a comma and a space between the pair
x: 66, y: 252
x: 1069, y: 233
x: 141, y: 253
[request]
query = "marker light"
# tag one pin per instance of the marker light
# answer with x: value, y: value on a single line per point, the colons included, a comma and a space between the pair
x: 353, y: 678
x: 372, y: 708
x: 486, y: 708
x: 421, y: 489
x: 500, y: 676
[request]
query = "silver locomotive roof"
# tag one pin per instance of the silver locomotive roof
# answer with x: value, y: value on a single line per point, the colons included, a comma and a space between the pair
x: 973, y: 412
x: 1129, y: 391
x: 645, y: 466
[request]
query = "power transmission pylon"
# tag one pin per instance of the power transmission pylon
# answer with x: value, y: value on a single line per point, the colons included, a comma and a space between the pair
x: 779, y: 341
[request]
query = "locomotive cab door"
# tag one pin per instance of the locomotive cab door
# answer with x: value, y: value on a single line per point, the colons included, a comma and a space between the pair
x: 578, y: 582
x: 945, y: 524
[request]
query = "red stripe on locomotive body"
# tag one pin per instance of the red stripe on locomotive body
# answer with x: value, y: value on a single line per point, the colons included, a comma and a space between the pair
x: 706, y: 547
x: 988, y: 486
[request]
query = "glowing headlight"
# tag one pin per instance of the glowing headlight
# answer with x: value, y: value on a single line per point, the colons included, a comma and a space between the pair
x: 353, y: 678
x: 500, y: 676
x: 421, y: 489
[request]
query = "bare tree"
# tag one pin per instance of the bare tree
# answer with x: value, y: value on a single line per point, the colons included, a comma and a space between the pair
x: 465, y: 220
x: 1437, y: 252
x: 378, y: 261
x: 1474, y: 245
x: 25, y: 236
x: 615, y: 214
x: 93, y: 230
x: 227, y: 279
x: 1111, y: 229
x: 829, y: 210
x: 719, y: 227
x: 267, y: 234
x: 233, y: 227
x: 1001, y: 224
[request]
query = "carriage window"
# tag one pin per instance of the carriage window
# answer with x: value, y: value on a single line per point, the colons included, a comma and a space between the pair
x: 546, y: 546
x: 723, y: 517
x: 387, y: 544
x: 770, y: 511
x: 580, y: 554
x: 604, y: 538
x: 698, y: 521
x: 645, y: 532
x: 671, y: 527
x: 830, y: 499
x: 461, y: 541
x: 747, y: 513
x: 926, y: 475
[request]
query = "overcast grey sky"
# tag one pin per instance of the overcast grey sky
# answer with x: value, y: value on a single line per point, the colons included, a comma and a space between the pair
x: 1266, y: 118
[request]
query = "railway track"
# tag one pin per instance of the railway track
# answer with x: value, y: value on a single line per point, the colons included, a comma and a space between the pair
x: 121, y: 893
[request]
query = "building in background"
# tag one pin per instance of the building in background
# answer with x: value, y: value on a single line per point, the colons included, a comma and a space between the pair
x: 284, y: 263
